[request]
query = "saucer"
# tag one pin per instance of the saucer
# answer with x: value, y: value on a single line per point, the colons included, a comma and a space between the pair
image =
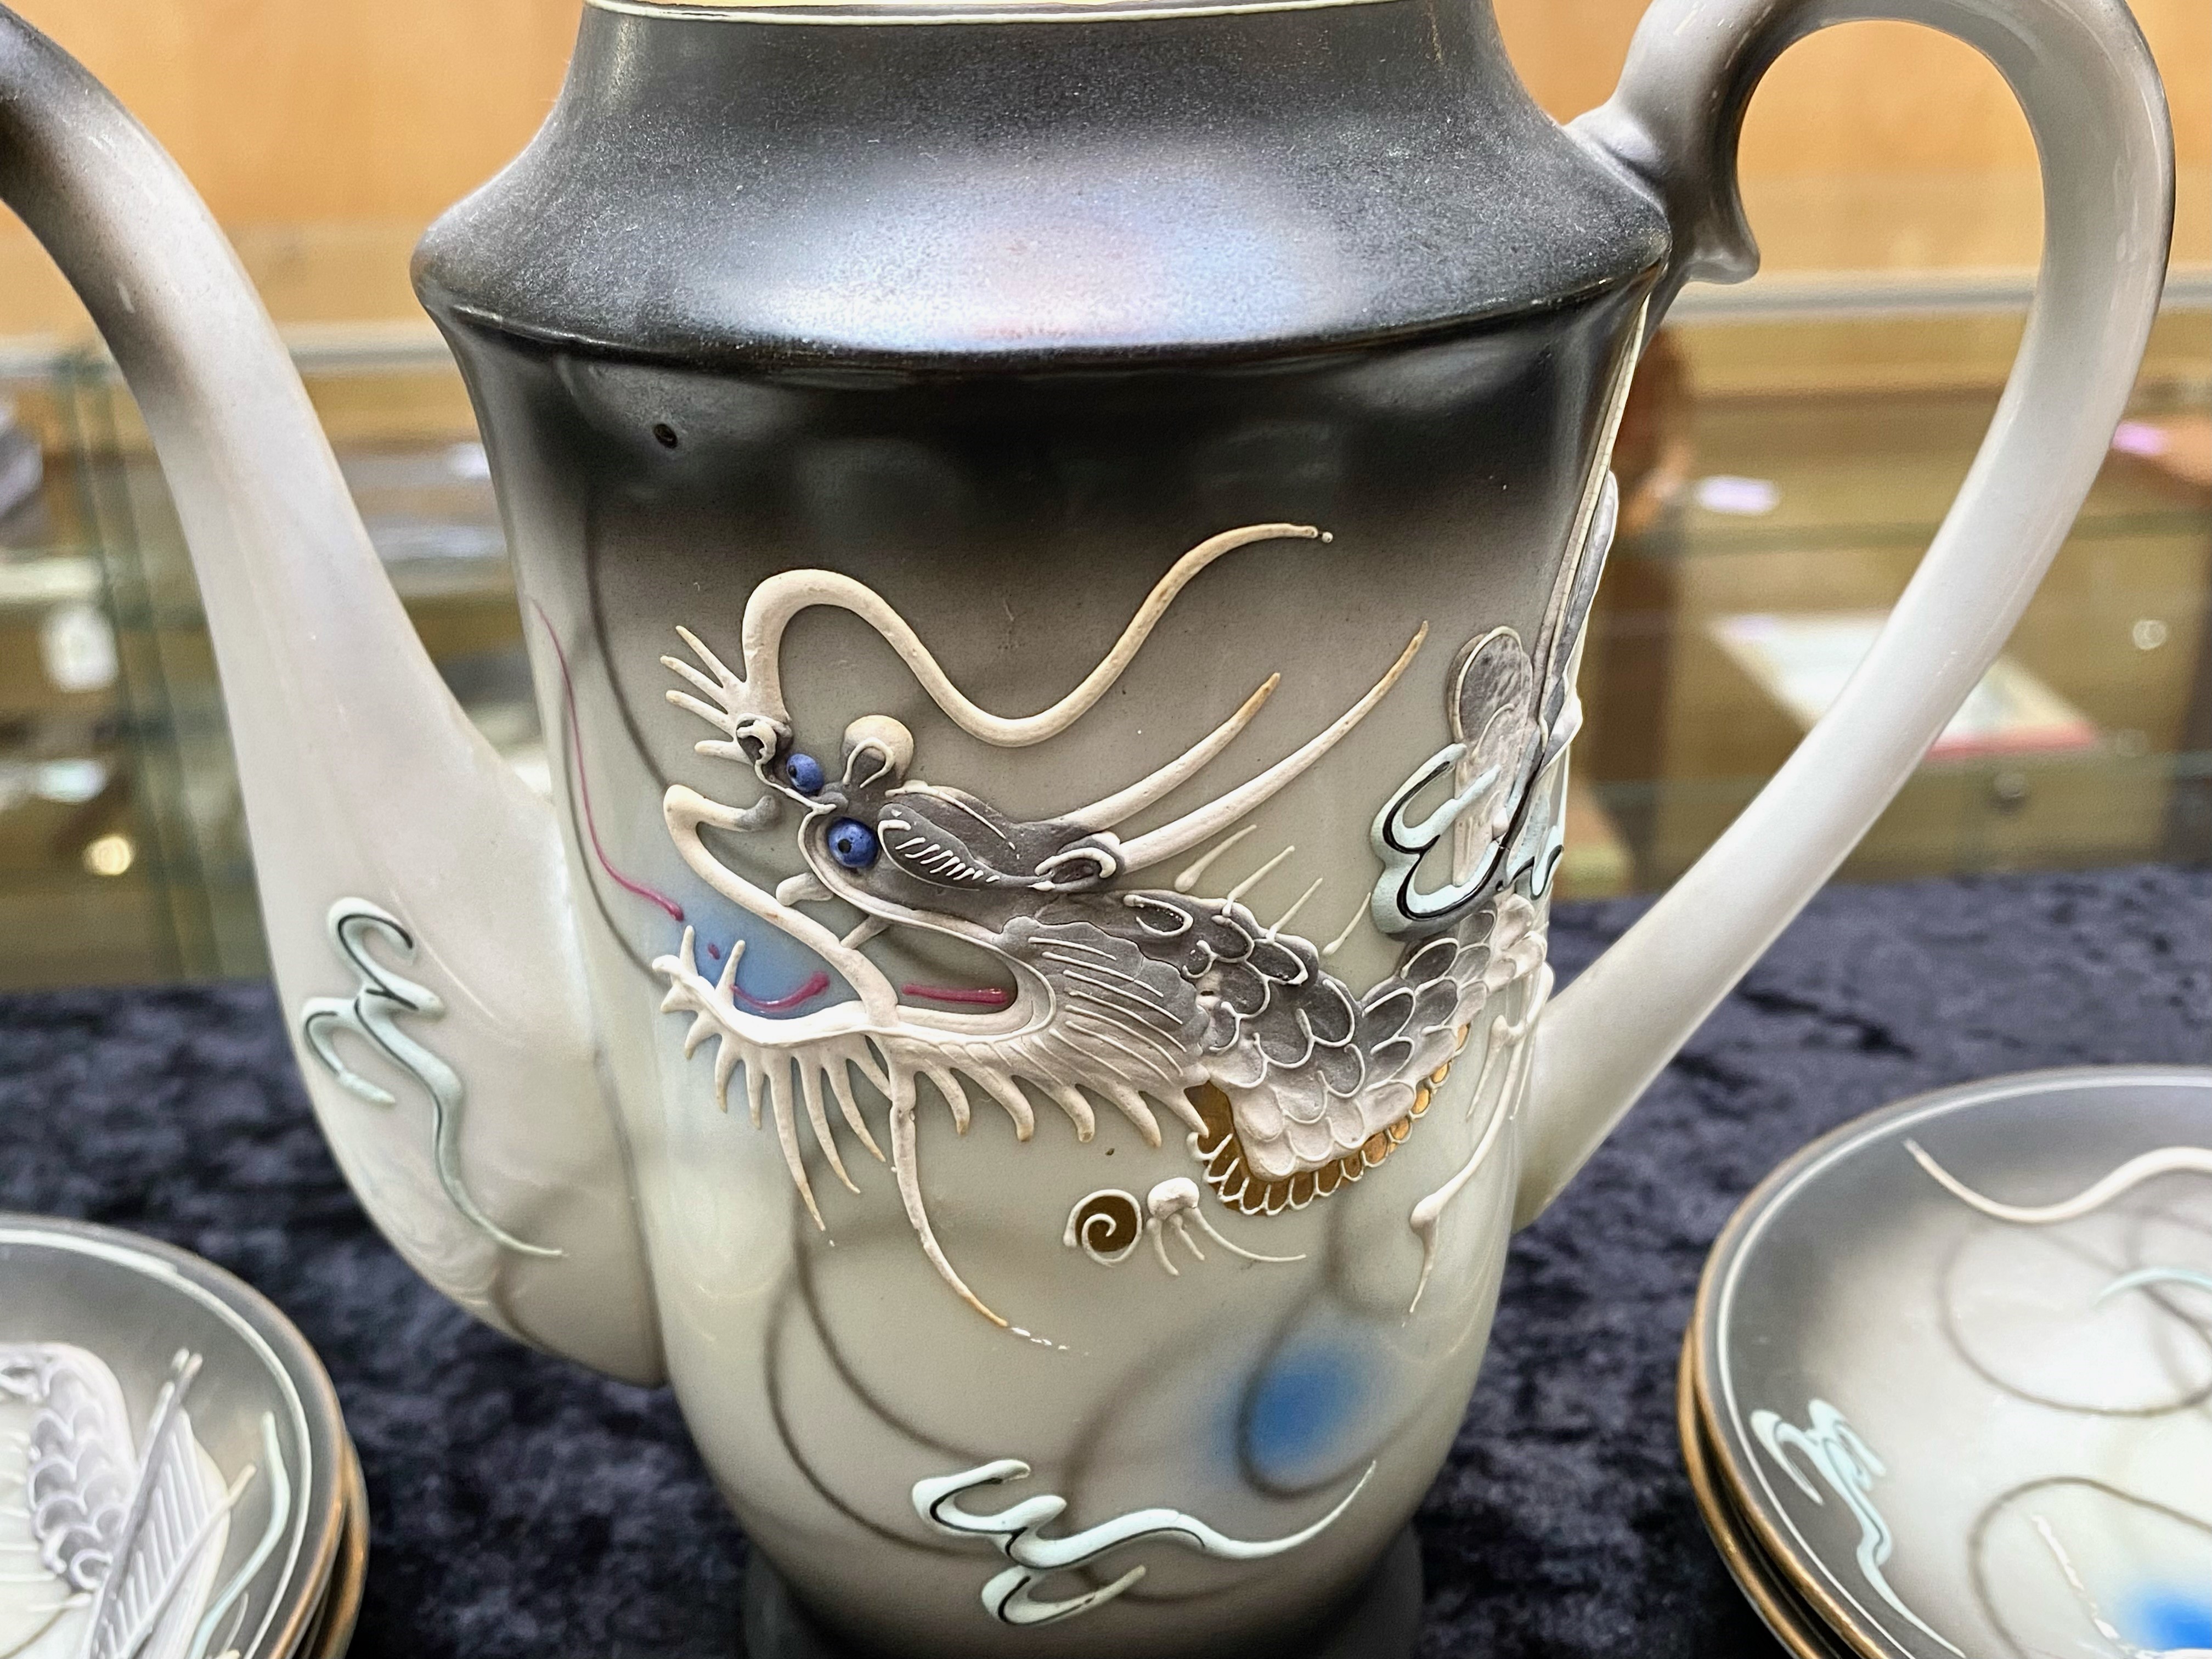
x: 1785, y: 1614
x: 332, y: 1633
x: 1953, y: 1366
x: 175, y: 1473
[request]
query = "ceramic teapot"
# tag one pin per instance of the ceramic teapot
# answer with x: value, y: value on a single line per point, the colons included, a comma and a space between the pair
x: 1055, y: 538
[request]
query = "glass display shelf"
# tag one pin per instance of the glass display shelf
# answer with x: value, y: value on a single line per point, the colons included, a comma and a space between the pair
x: 1789, y: 526
x: 1767, y: 532
x: 123, y: 850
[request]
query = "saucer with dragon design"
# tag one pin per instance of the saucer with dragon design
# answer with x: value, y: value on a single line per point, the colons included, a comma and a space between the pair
x: 175, y: 1479
x: 1786, y: 1615
x: 1951, y: 1366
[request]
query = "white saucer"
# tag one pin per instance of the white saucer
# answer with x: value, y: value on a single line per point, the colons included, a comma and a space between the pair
x: 1961, y: 1396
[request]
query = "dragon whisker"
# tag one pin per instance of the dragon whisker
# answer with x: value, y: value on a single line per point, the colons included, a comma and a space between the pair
x: 1349, y: 928
x: 1071, y: 1101
x: 1191, y: 876
x: 1127, y: 802
x: 772, y: 606
x: 903, y: 1167
x: 874, y: 1065
x: 756, y: 1084
x: 954, y: 1097
x: 1296, y: 905
x: 787, y: 1135
x: 810, y: 1088
x: 684, y: 669
x: 700, y: 649
x: 691, y: 705
x: 1132, y: 1106
x: 1214, y: 1233
x: 1258, y: 876
x: 1174, y: 839
x: 702, y: 1028
x: 1009, y: 1095
x: 841, y: 1085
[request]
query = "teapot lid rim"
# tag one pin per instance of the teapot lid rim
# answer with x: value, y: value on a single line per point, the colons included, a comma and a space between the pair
x: 803, y: 356
x: 912, y: 12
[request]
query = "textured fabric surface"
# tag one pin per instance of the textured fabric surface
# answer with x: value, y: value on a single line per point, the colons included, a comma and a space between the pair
x: 523, y: 1508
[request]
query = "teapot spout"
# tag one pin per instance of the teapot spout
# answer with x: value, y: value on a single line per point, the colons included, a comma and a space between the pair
x: 413, y: 888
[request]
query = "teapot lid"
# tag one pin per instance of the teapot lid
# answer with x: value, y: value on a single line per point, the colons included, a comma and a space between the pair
x: 1016, y: 183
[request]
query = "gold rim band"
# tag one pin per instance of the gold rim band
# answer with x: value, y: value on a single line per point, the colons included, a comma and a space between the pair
x: 1776, y: 1609
x: 1762, y: 1536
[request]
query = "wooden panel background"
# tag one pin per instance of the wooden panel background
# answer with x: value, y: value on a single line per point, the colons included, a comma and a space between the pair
x: 1873, y: 145
x: 1885, y: 98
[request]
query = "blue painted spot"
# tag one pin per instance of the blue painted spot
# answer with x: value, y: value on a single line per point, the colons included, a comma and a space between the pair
x: 2163, y: 1619
x: 805, y: 773
x: 1297, y: 1411
x: 852, y: 844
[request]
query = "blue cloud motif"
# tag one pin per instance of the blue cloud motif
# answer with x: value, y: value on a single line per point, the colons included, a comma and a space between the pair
x: 2163, y: 1619
x: 1291, y: 1421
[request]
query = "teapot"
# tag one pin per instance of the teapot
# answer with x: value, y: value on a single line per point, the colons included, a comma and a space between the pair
x: 1054, y: 539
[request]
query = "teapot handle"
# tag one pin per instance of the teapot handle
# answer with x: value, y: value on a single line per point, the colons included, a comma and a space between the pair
x: 2093, y: 99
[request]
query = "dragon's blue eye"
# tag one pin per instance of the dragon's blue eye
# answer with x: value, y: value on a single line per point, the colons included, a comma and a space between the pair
x: 852, y: 844
x: 805, y: 773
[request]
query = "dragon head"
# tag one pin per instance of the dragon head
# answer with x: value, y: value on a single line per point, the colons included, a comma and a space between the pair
x: 903, y: 850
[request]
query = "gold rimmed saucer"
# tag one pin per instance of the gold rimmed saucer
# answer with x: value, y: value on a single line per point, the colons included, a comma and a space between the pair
x: 1943, y: 1391
x: 1793, y: 1623
x: 341, y: 1608
x: 191, y: 1465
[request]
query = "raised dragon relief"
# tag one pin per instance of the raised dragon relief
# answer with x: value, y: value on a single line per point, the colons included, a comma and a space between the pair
x: 112, y: 1546
x: 1286, y: 1083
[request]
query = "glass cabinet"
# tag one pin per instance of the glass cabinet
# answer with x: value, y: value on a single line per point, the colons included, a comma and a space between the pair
x: 125, y: 853
x: 1732, y: 620
x: 1773, y: 516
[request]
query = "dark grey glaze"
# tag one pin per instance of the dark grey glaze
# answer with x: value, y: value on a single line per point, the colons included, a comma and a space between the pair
x: 1016, y: 521
x: 744, y: 193
x: 1000, y: 319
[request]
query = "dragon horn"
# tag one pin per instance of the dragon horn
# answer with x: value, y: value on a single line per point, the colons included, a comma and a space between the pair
x: 1172, y: 840
x: 1127, y: 802
x: 772, y: 606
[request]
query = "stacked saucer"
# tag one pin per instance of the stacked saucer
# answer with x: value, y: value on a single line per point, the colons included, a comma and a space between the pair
x: 175, y: 1478
x: 1948, y: 1390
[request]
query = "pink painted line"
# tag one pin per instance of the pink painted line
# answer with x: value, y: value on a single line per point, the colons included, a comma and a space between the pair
x: 584, y: 783
x: 813, y: 988
x: 815, y: 984
x: 979, y: 996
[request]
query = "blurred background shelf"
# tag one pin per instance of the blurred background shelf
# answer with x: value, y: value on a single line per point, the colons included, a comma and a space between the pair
x: 1788, y: 453
x: 1816, y: 506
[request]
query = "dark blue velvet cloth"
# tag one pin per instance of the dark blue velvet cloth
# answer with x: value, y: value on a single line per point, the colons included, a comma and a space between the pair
x: 522, y: 1508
